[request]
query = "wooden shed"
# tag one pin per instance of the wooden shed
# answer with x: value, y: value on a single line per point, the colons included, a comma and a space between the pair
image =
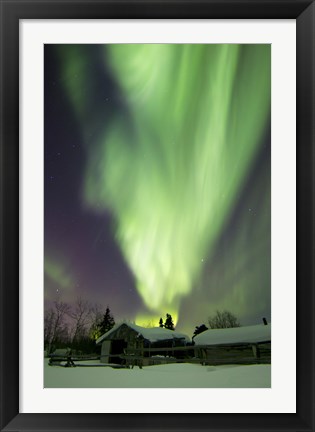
x: 127, y: 339
x: 239, y: 345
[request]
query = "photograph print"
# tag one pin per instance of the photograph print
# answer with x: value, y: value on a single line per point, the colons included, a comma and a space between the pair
x: 157, y: 216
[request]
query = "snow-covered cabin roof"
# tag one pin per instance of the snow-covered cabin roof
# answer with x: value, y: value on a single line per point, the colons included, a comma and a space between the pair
x: 250, y: 334
x: 151, y: 334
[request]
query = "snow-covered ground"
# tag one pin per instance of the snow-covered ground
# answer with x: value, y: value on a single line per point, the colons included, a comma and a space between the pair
x: 159, y: 376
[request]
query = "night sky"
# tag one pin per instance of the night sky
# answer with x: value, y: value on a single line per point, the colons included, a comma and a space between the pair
x: 157, y: 180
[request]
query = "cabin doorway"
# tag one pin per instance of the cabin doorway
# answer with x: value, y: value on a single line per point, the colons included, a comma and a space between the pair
x: 117, y: 347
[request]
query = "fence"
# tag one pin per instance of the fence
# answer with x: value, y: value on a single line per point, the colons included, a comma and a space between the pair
x: 244, y: 353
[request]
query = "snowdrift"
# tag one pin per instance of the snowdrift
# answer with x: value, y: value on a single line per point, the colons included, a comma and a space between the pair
x: 251, y: 334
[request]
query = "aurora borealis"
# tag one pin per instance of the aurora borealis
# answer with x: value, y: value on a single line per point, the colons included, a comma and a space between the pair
x: 157, y: 179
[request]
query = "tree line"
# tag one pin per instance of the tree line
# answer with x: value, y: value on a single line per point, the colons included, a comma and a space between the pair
x: 220, y: 320
x: 77, y: 326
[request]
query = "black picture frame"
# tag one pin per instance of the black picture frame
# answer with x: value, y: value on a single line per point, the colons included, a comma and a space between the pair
x: 14, y: 10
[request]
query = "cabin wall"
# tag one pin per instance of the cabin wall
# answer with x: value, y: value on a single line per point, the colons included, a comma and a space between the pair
x: 242, y: 354
x: 122, y: 340
x: 106, y: 345
x: 125, y: 344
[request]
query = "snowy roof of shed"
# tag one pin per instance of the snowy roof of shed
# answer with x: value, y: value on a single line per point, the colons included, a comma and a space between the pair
x: 151, y: 334
x: 250, y: 334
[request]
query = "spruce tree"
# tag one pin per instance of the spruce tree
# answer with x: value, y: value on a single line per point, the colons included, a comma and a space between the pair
x: 108, y: 321
x: 200, y: 329
x: 161, y: 323
x: 169, y: 322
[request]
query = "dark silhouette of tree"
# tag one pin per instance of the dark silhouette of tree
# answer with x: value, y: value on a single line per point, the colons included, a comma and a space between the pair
x: 77, y: 326
x: 224, y: 319
x: 161, y: 323
x: 97, y: 314
x: 169, y: 322
x: 81, y: 316
x: 108, y: 321
x: 200, y: 329
x: 49, y: 320
x: 56, y: 332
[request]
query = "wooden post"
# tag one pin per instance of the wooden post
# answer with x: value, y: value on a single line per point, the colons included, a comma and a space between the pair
x: 256, y: 351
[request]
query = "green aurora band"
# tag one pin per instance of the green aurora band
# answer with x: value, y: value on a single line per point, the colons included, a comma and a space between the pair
x: 170, y: 171
x: 58, y: 273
